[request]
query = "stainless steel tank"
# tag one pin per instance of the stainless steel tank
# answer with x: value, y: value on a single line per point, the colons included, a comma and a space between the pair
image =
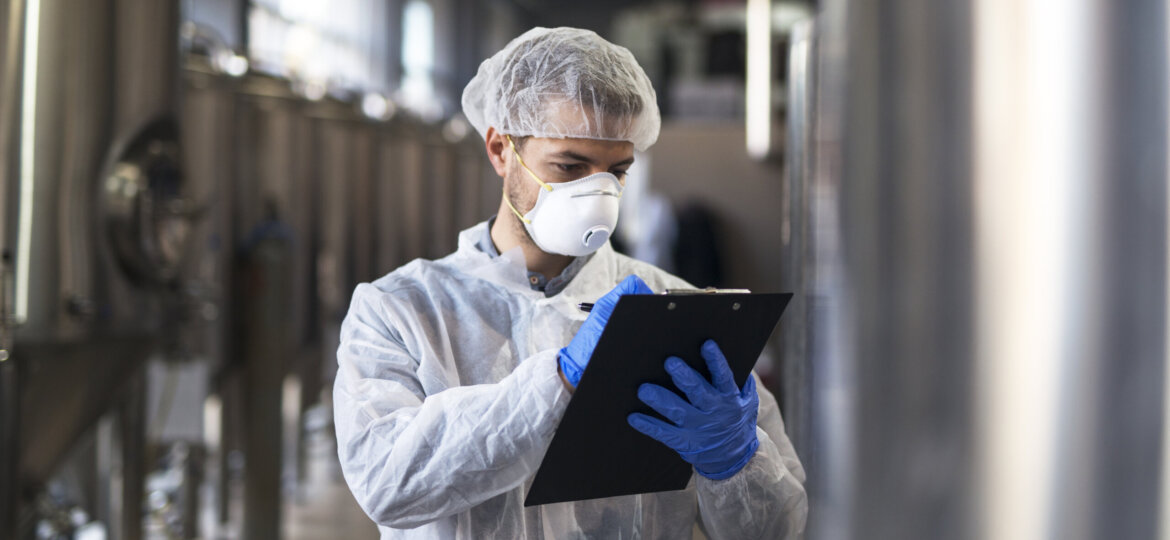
x: 208, y: 115
x: 987, y: 211
x: 95, y: 218
x: 430, y: 185
x: 347, y: 217
x: 248, y: 152
x: 357, y: 197
x: 441, y: 195
x: 275, y: 209
x: 477, y: 187
x: 328, y: 179
x: 211, y: 155
x: 797, y: 273
x: 390, y: 194
x: 11, y: 53
x: 414, y: 193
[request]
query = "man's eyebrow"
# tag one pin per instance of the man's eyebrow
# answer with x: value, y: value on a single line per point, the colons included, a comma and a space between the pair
x: 586, y: 159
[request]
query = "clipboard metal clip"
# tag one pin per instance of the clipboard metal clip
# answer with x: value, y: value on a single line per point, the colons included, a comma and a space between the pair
x: 708, y: 290
x: 588, y: 306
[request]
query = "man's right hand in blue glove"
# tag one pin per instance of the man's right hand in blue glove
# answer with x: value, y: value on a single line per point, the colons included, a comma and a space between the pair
x: 714, y: 429
x: 575, y: 357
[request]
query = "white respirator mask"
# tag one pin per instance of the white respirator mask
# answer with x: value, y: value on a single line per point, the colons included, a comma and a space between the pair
x: 571, y: 218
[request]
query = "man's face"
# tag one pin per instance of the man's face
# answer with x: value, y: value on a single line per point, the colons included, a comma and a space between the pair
x: 556, y: 161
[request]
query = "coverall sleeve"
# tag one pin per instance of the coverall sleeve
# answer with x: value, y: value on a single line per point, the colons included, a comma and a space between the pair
x: 411, y: 458
x: 766, y: 499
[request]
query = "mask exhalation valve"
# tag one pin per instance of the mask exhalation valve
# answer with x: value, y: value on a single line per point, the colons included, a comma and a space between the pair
x: 595, y: 237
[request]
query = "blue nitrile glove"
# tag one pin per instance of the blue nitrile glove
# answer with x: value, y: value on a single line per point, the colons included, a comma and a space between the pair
x: 574, y: 357
x: 716, y: 431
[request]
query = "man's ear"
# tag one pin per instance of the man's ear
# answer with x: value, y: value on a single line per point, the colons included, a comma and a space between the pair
x: 497, y: 146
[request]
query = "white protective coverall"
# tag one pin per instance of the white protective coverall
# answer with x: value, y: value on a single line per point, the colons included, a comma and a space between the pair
x: 447, y: 396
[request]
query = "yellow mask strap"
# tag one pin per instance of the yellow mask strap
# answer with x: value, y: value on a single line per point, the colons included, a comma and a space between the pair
x: 530, y: 173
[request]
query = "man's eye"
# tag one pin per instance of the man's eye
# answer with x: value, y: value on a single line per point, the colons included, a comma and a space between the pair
x: 567, y: 167
x: 620, y: 174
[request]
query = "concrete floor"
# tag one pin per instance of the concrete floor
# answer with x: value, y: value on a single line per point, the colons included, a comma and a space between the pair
x: 327, y: 511
x: 323, y: 507
x: 318, y: 507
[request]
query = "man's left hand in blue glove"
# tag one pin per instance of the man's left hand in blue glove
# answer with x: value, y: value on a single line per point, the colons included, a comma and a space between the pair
x: 716, y: 430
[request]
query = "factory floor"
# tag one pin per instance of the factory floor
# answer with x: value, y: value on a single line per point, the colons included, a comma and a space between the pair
x: 327, y: 510
x: 323, y: 507
x: 318, y: 506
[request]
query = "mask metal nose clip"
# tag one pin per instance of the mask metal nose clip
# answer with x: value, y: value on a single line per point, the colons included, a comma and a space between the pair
x: 595, y: 193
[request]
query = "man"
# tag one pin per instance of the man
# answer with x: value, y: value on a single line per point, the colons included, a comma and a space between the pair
x: 453, y: 374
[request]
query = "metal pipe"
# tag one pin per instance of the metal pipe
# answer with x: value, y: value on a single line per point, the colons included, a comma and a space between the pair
x: 28, y: 124
x: 266, y: 351
x: 9, y: 450
x: 121, y: 462
x: 1035, y: 180
x: 1164, y: 508
x: 795, y: 275
x: 11, y: 53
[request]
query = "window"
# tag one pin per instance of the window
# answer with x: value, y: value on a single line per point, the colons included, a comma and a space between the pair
x: 335, y: 45
x: 418, y: 60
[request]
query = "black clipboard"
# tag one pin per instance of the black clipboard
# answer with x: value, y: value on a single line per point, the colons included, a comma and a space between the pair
x: 595, y: 453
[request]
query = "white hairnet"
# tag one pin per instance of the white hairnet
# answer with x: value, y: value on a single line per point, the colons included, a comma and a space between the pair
x: 564, y: 82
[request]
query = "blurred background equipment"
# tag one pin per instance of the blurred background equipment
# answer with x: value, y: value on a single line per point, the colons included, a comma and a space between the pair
x: 969, y: 200
x: 96, y: 216
x: 979, y: 208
